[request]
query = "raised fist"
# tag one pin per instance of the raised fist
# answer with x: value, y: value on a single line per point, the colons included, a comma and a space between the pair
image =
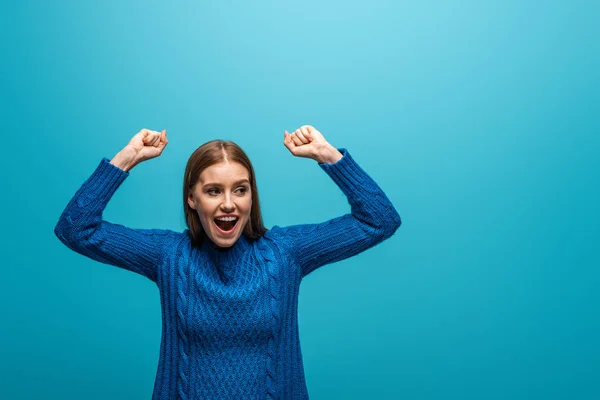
x: 148, y: 144
x: 306, y: 142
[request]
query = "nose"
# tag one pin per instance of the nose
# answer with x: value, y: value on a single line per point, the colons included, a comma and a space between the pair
x: 228, y: 205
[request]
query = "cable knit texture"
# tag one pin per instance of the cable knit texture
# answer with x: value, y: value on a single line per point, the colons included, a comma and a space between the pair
x: 229, y: 316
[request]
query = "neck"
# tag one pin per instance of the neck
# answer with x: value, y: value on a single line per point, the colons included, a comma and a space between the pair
x: 226, y: 254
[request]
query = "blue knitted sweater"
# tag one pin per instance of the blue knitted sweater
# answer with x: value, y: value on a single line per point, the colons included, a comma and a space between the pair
x: 229, y: 318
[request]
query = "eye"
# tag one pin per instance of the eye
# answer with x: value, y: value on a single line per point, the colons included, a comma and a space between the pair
x: 210, y: 191
x: 243, y: 190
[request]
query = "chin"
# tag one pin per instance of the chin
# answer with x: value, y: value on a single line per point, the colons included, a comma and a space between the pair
x: 221, y: 242
x: 221, y: 239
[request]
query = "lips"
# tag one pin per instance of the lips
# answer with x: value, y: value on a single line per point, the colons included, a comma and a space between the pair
x: 226, y: 227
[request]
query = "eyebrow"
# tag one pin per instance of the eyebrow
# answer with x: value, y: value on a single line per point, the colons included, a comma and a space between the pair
x: 235, y: 183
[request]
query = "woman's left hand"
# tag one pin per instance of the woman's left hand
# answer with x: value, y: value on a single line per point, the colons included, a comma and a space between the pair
x: 307, y: 142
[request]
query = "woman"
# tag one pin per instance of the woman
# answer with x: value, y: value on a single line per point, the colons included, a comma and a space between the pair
x: 228, y: 286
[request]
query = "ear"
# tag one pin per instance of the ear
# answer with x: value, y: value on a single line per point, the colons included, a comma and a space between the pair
x: 191, y: 202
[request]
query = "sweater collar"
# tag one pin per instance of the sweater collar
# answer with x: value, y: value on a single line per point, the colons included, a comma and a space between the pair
x: 224, y: 256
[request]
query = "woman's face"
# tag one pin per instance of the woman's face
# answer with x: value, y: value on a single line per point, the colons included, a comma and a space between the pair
x: 222, y: 189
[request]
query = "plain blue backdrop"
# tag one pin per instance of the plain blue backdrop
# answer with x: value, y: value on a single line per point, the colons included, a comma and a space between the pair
x: 480, y: 121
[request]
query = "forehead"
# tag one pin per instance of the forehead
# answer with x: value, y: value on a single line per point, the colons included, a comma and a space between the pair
x: 224, y: 172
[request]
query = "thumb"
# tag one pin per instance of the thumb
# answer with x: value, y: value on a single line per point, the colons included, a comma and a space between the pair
x: 144, y: 133
x: 139, y: 138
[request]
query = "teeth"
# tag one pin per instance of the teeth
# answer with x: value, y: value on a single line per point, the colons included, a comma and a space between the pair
x: 227, y: 218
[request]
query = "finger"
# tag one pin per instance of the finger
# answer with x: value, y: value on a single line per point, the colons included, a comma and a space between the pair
x: 153, y: 138
x: 288, y: 142
x: 148, y: 137
x: 312, y: 131
x: 147, y: 132
x: 142, y: 133
x: 309, y: 132
x: 151, y: 132
x: 288, y: 138
x: 303, y: 137
x: 296, y: 139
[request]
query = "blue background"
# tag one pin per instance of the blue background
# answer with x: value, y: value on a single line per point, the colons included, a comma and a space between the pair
x: 480, y: 121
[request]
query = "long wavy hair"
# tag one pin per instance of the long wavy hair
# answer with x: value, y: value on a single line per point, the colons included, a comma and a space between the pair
x: 208, y: 154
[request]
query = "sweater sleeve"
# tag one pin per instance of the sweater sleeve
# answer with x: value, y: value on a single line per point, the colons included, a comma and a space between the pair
x: 372, y: 219
x: 82, y: 229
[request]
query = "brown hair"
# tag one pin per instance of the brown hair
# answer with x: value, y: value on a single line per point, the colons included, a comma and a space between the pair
x: 210, y: 153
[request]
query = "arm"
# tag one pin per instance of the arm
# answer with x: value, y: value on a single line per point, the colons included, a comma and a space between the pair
x: 372, y: 219
x: 82, y: 229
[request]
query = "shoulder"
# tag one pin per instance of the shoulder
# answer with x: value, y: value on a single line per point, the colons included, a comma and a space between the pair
x: 279, y: 235
x: 275, y: 244
x: 276, y: 236
x: 281, y: 238
x: 170, y: 239
x: 274, y: 233
x: 166, y: 234
x: 272, y: 237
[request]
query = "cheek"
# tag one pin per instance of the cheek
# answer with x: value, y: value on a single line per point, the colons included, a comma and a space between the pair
x: 205, y: 221
x: 248, y: 206
x: 202, y: 210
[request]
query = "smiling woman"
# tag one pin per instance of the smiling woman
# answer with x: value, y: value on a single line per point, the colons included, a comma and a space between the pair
x: 228, y: 286
x: 220, y: 195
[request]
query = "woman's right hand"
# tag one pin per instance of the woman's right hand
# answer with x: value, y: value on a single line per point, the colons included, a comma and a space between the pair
x: 146, y: 144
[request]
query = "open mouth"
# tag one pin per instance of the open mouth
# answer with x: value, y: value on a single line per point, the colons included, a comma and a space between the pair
x: 226, y: 225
